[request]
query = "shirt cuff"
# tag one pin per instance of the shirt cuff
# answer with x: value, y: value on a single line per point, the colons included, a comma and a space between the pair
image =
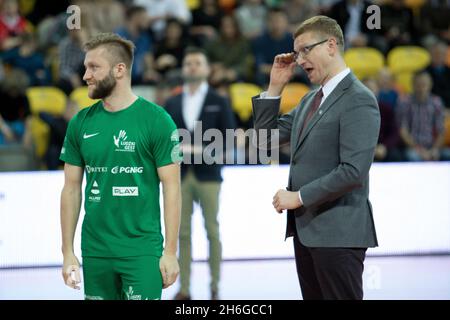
x: 263, y: 95
x: 300, y: 196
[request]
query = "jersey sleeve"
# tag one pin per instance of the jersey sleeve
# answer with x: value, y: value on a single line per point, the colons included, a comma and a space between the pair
x: 70, y: 152
x: 166, y: 142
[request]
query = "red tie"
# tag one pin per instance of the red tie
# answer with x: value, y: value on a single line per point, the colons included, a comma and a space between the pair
x: 314, y: 106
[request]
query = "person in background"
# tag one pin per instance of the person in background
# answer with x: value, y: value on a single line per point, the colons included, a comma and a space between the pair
x: 388, y: 147
x: 71, y: 55
x: 161, y: 11
x: 352, y: 16
x: 275, y: 40
x: 169, y: 51
x: 136, y: 30
x: 12, y: 24
x: 205, y: 22
x: 58, y: 128
x: 251, y: 16
x: 233, y: 64
x: 387, y: 93
x: 27, y: 58
x: 421, y: 120
x: 15, y: 114
x: 440, y: 72
x: 199, y: 103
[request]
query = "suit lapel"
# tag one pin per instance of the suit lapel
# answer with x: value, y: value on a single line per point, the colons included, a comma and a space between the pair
x: 205, y: 103
x: 179, y: 111
x: 326, y: 105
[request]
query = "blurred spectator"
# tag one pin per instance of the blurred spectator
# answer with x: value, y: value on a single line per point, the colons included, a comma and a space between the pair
x: 298, y: 11
x: 26, y: 58
x: 275, y: 40
x: 251, y: 16
x: 205, y: 22
x: 58, y: 126
x: 2, y: 71
x: 323, y: 6
x: 51, y: 31
x: 12, y: 24
x: 163, y: 91
x: 351, y: 15
x: 440, y: 72
x: 229, y: 55
x: 103, y: 15
x: 387, y: 92
x: 169, y: 51
x: 160, y: 11
x: 135, y: 29
x: 388, y: 147
x: 15, y: 110
x: 41, y: 10
x: 434, y: 19
x: 421, y: 118
x: 71, y: 55
x: 397, y: 26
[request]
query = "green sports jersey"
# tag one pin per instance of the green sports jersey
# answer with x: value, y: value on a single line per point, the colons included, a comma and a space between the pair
x: 121, y: 152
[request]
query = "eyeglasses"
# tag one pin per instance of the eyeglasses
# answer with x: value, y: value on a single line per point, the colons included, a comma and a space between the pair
x: 303, y: 52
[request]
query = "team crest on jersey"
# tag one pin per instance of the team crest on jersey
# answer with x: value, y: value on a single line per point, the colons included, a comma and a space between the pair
x: 122, y: 143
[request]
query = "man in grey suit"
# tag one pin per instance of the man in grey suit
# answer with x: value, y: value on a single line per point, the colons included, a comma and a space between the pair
x: 333, y: 134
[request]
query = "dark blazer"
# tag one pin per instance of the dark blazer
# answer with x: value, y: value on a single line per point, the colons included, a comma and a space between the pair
x: 216, y: 113
x: 330, y: 164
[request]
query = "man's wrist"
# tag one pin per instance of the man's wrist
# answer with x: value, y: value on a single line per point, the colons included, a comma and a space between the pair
x: 169, y: 252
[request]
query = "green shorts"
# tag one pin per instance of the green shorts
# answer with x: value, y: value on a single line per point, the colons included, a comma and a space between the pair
x: 130, y: 278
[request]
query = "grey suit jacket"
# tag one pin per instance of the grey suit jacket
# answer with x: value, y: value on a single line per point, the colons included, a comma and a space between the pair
x: 330, y: 163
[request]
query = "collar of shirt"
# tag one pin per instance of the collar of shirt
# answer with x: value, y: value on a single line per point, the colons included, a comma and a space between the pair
x: 192, y: 104
x: 201, y: 91
x: 333, y: 82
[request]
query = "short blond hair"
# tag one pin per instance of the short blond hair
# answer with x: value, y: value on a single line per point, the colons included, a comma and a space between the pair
x: 324, y: 26
x: 119, y: 49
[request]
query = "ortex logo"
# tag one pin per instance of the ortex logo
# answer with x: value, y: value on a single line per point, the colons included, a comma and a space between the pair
x: 90, y: 169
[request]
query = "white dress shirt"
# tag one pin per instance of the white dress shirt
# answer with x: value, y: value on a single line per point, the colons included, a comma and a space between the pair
x: 192, y: 104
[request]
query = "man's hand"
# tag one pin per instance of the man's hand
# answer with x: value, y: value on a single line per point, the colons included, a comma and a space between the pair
x: 380, y: 152
x: 71, y: 271
x: 7, y: 132
x: 168, y: 265
x: 281, y: 73
x: 435, y: 154
x: 286, y: 200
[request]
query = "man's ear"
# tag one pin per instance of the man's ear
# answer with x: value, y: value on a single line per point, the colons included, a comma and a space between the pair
x: 120, y: 70
x: 333, y: 45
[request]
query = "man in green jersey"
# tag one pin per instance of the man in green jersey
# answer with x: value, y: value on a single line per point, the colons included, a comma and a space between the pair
x: 126, y: 146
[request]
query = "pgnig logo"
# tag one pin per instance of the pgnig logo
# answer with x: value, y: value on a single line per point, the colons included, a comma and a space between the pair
x: 128, y: 170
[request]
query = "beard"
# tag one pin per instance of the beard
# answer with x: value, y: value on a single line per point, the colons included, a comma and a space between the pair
x: 104, y: 87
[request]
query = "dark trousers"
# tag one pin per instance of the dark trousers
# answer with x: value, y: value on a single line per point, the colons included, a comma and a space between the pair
x: 329, y: 273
